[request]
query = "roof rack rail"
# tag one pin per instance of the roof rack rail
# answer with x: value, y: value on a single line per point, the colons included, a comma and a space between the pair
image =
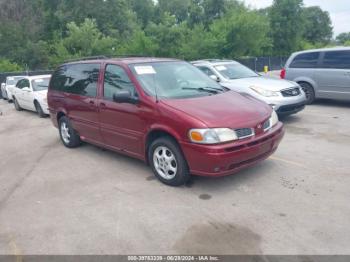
x: 86, y: 58
x: 105, y: 57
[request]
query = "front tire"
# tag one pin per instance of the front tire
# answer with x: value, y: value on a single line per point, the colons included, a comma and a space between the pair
x: 309, y: 92
x: 17, y: 106
x: 39, y: 110
x: 167, y: 162
x: 69, y: 136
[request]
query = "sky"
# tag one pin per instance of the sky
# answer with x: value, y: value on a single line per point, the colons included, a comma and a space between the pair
x: 339, y: 11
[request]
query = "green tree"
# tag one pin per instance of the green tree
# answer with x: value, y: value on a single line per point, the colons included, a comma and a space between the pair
x: 145, y: 11
x: 81, y: 41
x: 139, y: 44
x: 343, y: 38
x: 232, y: 39
x: 167, y: 35
x: 177, y: 8
x: 286, y: 25
x: 317, y: 25
x: 8, y: 66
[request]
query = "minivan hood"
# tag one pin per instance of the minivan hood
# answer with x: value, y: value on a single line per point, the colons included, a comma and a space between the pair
x: 260, y: 81
x: 229, y: 109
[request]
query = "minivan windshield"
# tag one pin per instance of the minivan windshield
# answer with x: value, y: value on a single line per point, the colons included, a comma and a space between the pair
x: 235, y: 71
x: 174, y: 80
x: 40, y: 84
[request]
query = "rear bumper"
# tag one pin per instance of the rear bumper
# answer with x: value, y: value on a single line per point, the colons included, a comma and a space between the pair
x: 222, y: 160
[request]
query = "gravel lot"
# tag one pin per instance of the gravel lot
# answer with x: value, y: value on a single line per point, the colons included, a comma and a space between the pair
x: 90, y: 201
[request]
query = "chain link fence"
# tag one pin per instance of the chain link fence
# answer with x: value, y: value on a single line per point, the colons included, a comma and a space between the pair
x: 257, y: 63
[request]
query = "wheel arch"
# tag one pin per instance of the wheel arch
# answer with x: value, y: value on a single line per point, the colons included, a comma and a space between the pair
x: 156, y: 133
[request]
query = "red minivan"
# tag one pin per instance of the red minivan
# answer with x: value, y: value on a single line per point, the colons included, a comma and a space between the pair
x: 165, y: 112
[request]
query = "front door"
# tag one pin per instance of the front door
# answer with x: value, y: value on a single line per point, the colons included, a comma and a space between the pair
x: 122, y: 124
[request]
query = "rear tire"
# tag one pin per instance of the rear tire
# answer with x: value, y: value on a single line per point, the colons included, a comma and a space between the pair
x: 309, y: 92
x: 39, y: 110
x: 69, y: 136
x: 17, y: 106
x: 167, y: 162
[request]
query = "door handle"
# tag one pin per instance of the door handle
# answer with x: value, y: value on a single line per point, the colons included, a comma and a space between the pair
x: 102, y: 105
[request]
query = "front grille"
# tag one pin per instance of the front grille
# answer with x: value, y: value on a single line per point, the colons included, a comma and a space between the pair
x: 244, y: 132
x: 291, y: 92
x: 267, y: 125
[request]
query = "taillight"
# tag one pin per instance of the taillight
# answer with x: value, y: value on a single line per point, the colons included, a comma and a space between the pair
x: 283, y: 73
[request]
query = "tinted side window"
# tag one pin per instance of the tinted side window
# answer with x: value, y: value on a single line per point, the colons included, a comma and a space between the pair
x: 336, y: 59
x: 58, y: 79
x: 80, y: 79
x: 308, y: 60
x: 25, y: 83
x: 116, y: 80
x: 19, y: 84
x: 206, y: 70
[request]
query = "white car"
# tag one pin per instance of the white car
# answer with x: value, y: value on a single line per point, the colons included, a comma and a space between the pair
x: 285, y: 97
x: 30, y: 93
x: 2, y: 91
x: 6, y: 90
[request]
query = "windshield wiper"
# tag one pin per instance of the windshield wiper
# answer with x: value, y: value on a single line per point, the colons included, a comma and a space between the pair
x: 205, y: 89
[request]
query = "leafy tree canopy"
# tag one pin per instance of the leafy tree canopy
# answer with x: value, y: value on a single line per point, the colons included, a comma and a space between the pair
x: 41, y: 34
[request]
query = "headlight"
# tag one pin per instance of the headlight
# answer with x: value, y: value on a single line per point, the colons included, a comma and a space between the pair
x: 273, y: 119
x: 264, y: 92
x: 212, y: 135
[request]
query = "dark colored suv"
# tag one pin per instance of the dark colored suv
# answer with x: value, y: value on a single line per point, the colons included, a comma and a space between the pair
x: 165, y: 112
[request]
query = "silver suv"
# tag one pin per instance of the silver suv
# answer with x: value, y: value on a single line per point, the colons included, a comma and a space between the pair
x: 323, y: 73
x: 285, y: 97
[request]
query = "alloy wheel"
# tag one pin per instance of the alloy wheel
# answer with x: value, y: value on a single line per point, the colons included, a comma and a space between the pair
x: 165, y: 162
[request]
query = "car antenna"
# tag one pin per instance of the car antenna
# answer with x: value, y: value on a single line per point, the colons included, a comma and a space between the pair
x: 155, y: 88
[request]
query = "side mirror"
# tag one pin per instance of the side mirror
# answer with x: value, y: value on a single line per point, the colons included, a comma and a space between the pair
x: 27, y: 89
x: 3, y: 85
x: 125, y: 97
x: 215, y: 78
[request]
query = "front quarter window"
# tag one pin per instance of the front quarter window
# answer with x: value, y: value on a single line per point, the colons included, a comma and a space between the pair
x: 174, y: 80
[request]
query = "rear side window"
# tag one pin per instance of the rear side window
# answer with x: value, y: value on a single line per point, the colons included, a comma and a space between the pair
x: 116, y: 80
x: 80, y: 79
x: 307, y: 60
x: 336, y: 59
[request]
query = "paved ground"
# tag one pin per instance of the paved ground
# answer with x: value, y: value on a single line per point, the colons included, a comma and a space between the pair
x: 88, y: 201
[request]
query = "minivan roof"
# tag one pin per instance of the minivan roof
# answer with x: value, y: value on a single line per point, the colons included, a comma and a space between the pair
x: 337, y: 48
x: 125, y: 60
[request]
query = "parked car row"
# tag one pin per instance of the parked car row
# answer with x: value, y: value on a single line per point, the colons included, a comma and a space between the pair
x: 208, y: 117
x: 27, y: 92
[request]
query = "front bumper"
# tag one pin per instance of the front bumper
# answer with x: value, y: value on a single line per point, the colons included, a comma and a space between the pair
x: 286, y: 105
x: 226, y: 159
x: 290, y: 109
